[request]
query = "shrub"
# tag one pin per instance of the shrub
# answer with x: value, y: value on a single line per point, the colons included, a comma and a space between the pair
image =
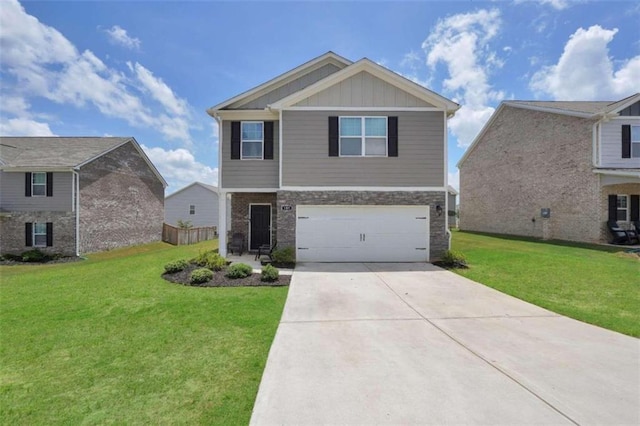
x: 269, y: 274
x: 239, y: 270
x: 453, y: 259
x: 184, y: 224
x: 200, y: 275
x: 176, y: 266
x: 283, y: 256
x: 34, y: 255
x: 12, y: 257
x: 210, y: 259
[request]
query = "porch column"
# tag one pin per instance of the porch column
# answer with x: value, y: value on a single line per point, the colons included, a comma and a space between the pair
x: 222, y: 223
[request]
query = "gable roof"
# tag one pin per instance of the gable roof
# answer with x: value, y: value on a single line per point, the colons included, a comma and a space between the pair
x: 282, y: 79
x: 203, y: 185
x: 61, y: 153
x: 583, y: 109
x: 376, y: 70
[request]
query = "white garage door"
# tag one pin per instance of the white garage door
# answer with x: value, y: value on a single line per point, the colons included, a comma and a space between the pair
x: 362, y: 233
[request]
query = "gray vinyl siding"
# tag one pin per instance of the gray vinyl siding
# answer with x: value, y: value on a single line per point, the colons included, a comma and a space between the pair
x: 452, y: 201
x: 176, y: 207
x: 420, y: 160
x: 633, y: 109
x: 12, y: 192
x: 363, y: 90
x: 611, y: 144
x: 249, y: 173
x: 289, y: 88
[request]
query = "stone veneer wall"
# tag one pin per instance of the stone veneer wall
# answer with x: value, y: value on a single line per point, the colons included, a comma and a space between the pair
x: 526, y: 161
x: 121, y: 201
x: 240, y: 212
x: 12, y: 232
x: 287, y: 218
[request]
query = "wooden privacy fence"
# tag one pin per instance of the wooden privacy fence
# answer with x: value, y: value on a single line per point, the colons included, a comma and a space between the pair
x: 180, y: 236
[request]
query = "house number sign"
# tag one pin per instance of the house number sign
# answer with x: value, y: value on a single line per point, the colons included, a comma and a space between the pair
x: 286, y: 207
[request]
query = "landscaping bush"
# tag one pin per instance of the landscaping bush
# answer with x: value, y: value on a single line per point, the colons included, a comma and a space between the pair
x: 176, y: 266
x: 453, y: 259
x: 269, y: 274
x: 239, y: 270
x: 34, y: 255
x: 12, y: 257
x: 201, y: 275
x: 284, y: 256
x: 210, y: 259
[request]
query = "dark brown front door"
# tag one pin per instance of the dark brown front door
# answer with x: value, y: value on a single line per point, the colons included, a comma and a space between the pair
x: 260, y: 232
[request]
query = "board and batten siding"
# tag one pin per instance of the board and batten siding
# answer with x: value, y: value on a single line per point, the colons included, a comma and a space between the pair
x: 289, y: 88
x: 176, y: 207
x: 611, y: 144
x: 420, y: 160
x: 249, y: 173
x: 12, y: 193
x: 363, y: 90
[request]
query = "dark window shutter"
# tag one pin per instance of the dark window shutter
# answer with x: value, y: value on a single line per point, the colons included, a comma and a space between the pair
x: 333, y: 137
x: 392, y: 128
x: 49, y: 184
x: 49, y: 234
x: 626, y: 141
x: 28, y: 233
x: 613, y: 207
x: 27, y: 184
x: 268, y: 140
x: 635, y: 207
x: 235, y: 140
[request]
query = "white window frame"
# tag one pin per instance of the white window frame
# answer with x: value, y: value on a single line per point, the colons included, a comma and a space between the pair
x: 192, y: 209
x: 242, y: 140
x: 34, y: 229
x: 637, y: 142
x: 363, y: 136
x: 33, y: 184
x: 626, y: 209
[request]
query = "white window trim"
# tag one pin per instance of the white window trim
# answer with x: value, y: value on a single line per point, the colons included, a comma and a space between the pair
x: 363, y: 136
x: 34, y: 233
x: 33, y: 175
x: 632, y: 141
x: 242, y: 141
x: 626, y: 209
x: 192, y: 209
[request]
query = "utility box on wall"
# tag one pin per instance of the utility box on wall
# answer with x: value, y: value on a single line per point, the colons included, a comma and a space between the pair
x: 545, y: 213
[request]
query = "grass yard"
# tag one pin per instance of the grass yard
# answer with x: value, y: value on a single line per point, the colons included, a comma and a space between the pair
x: 596, y: 284
x: 107, y: 341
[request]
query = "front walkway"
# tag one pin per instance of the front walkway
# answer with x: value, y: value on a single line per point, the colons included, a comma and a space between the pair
x: 413, y: 344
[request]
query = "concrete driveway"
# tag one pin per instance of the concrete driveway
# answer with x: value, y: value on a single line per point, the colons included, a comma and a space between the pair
x: 413, y: 344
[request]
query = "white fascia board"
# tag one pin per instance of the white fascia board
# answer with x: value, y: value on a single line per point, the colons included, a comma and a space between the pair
x: 375, y: 70
x: 627, y: 173
x: 365, y: 188
x: 451, y: 190
x: 282, y: 79
x: 22, y: 169
x: 630, y: 101
x: 480, y: 135
x: 247, y: 114
x: 232, y: 190
x: 383, y: 109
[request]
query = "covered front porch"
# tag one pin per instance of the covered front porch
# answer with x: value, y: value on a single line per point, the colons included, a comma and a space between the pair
x: 620, y: 199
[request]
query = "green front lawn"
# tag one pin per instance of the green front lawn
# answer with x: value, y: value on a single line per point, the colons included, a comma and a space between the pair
x: 595, y: 284
x: 106, y: 340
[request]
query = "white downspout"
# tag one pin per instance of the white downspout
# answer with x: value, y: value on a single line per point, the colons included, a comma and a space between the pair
x: 446, y: 180
x: 77, y: 209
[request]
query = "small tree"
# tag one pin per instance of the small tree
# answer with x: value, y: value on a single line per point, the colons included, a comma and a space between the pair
x: 184, y: 224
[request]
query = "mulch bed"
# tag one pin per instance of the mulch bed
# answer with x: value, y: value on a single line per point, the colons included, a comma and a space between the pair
x: 220, y: 280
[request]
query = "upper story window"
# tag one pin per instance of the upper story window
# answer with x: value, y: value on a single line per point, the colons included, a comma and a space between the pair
x: 635, y: 141
x: 622, y: 208
x: 252, y: 140
x: 38, y: 184
x: 192, y: 209
x: 363, y: 136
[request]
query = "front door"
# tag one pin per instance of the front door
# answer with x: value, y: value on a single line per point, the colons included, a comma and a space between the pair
x: 260, y: 225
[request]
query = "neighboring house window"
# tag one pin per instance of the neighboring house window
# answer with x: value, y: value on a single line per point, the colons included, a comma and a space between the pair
x: 38, y: 184
x: 39, y: 234
x: 252, y: 140
x: 192, y: 209
x: 622, y: 208
x: 635, y: 141
x: 363, y: 136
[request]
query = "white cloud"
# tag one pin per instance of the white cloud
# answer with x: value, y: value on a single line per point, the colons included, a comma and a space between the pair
x: 119, y: 36
x: 24, y: 127
x: 454, y: 180
x: 179, y: 167
x: 556, y: 4
x: 45, y: 64
x: 462, y: 43
x: 585, y: 71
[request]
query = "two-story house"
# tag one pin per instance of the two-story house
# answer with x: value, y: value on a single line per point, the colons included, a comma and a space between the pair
x: 554, y: 170
x: 342, y: 161
x: 73, y: 195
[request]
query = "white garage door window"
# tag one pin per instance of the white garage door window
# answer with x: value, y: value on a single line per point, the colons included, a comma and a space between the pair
x: 362, y: 233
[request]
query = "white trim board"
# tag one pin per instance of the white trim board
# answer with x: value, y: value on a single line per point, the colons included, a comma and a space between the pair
x: 365, y: 188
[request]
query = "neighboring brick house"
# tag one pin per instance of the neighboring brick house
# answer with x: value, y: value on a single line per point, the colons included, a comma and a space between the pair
x: 340, y: 160
x: 579, y: 160
x: 75, y: 195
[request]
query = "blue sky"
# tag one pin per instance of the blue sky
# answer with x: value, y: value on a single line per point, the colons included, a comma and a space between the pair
x: 150, y: 69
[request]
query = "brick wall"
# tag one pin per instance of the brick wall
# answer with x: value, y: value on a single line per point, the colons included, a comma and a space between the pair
x: 121, y: 201
x: 527, y: 161
x: 287, y: 218
x: 240, y: 211
x: 12, y: 232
